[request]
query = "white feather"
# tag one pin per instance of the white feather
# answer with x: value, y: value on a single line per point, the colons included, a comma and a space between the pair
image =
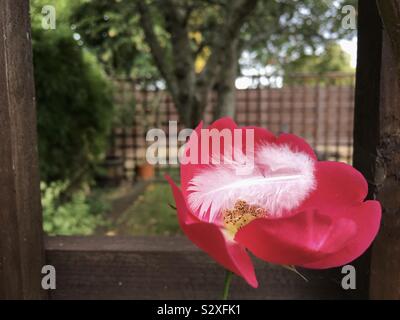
x: 278, y: 180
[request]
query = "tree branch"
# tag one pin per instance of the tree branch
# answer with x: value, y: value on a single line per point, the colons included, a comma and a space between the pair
x: 237, y: 13
x: 159, y: 53
x: 238, y: 16
x: 176, y: 19
x: 176, y: 23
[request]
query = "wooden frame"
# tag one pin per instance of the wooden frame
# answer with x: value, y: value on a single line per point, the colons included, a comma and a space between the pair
x: 172, y: 267
x: 21, y: 236
x: 385, y: 180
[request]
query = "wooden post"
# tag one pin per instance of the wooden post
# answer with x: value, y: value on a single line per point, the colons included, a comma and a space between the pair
x: 21, y: 236
x: 390, y: 13
x: 377, y: 143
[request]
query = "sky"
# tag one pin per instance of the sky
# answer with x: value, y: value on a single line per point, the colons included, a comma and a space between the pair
x: 350, y: 47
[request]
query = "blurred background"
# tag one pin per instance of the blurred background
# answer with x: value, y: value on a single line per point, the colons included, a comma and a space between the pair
x: 111, y: 70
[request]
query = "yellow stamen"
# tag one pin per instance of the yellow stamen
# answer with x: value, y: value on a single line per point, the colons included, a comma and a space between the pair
x: 241, y: 214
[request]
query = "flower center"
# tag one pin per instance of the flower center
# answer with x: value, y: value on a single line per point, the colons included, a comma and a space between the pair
x: 241, y: 214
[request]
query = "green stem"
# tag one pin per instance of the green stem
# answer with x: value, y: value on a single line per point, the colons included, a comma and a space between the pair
x: 227, y: 285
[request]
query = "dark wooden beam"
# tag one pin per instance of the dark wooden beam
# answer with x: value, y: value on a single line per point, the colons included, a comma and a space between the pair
x: 377, y: 143
x: 385, y: 267
x: 389, y: 11
x: 170, y: 268
x: 366, y: 112
x: 21, y: 248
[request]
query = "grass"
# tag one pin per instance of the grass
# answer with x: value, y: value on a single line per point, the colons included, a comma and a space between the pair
x: 150, y: 214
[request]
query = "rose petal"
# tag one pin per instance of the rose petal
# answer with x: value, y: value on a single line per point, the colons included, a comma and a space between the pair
x: 338, y: 185
x: 261, y: 136
x: 296, y: 144
x: 223, y: 123
x: 210, y: 238
x: 367, y: 217
x: 188, y: 170
x: 296, y: 240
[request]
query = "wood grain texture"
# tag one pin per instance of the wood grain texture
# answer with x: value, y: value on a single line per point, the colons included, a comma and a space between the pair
x: 21, y: 247
x: 171, y: 268
x: 385, y: 266
x: 367, y: 95
x: 390, y: 14
x: 377, y: 144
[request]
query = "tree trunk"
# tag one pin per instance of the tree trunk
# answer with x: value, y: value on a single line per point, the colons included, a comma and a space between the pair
x: 225, y: 86
x: 184, y: 106
x: 191, y: 107
x: 190, y: 91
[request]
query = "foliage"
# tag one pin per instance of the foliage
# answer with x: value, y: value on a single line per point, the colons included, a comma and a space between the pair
x: 111, y: 29
x: 74, y: 111
x: 196, y: 44
x: 79, y: 216
x: 124, y: 112
x: 332, y: 60
x: 284, y: 31
x: 74, y: 106
x: 277, y: 32
x: 73, y: 98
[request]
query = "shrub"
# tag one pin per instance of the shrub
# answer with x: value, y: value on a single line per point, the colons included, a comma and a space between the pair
x: 81, y: 215
x: 74, y: 106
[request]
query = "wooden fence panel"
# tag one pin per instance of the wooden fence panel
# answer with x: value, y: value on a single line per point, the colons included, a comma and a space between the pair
x: 320, y: 112
x: 171, y: 268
